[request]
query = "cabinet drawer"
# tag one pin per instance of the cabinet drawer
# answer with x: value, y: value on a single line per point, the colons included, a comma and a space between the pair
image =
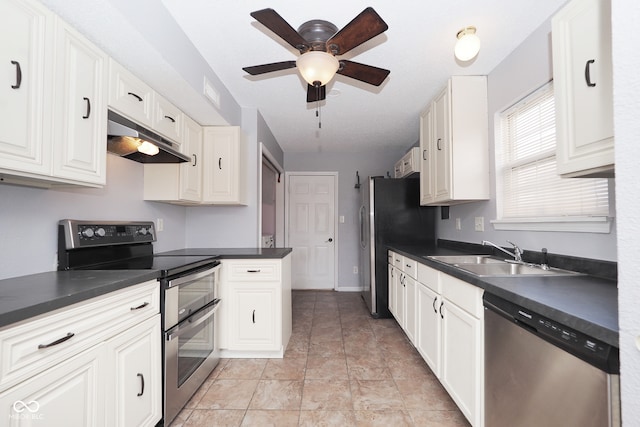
x: 34, y: 345
x: 168, y: 120
x: 464, y: 295
x: 129, y: 95
x: 430, y: 277
x: 410, y: 267
x: 252, y: 271
x: 397, y: 261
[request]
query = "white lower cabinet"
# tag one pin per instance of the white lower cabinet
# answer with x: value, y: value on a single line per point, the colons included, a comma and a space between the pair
x: 95, y: 363
x: 443, y: 318
x: 135, y: 392
x: 254, y: 319
x: 69, y: 394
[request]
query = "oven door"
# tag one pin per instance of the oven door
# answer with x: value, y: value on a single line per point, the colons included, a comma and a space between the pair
x: 190, y: 356
x: 187, y: 294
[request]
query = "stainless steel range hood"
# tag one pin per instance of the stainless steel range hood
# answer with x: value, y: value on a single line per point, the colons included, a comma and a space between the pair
x: 127, y: 139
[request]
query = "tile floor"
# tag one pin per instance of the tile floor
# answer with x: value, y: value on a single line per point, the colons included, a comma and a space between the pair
x: 341, y: 368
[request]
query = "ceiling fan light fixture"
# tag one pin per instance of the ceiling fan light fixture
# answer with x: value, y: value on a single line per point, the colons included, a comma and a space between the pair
x: 468, y: 44
x: 317, y: 66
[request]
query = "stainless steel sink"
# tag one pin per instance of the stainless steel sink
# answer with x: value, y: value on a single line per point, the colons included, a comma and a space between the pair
x: 466, y: 259
x: 506, y: 269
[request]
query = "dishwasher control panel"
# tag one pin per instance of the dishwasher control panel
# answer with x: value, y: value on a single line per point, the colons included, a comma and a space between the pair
x: 589, y: 349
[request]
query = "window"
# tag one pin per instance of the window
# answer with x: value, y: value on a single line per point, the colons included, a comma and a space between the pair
x: 531, y: 196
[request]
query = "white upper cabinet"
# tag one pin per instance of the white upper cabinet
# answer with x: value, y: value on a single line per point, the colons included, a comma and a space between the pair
x: 167, y: 119
x: 454, y: 144
x: 224, y: 172
x: 583, y: 82
x: 80, y: 108
x: 26, y: 30
x: 52, y: 100
x: 130, y: 96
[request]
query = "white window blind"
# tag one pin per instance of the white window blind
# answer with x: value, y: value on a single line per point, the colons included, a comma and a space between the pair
x: 531, y: 189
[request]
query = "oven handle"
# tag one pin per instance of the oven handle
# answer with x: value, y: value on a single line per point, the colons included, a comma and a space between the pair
x: 191, y: 322
x: 191, y: 277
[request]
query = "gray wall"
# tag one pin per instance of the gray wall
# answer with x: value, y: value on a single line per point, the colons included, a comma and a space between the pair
x: 346, y: 164
x: 29, y: 216
x: 525, y: 69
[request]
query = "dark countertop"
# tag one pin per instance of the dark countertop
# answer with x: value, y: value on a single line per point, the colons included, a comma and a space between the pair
x: 585, y: 303
x: 29, y: 296
x: 232, y: 253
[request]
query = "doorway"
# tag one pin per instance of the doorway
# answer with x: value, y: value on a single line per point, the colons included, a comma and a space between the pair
x: 271, y: 216
x: 311, y: 229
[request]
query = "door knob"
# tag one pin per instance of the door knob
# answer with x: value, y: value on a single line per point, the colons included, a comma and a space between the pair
x: 330, y: 240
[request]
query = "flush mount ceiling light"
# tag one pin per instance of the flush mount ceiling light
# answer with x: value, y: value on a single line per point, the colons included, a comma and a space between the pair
x: 317, y: 68
x: 468, y: 44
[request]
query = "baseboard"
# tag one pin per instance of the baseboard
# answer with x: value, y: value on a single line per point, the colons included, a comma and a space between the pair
x: 349, y: 289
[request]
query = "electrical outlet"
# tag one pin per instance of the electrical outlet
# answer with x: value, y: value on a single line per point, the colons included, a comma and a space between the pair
x: 479, y: 223
x: 458, y: 224
x: 159, y: 224
x: 341, y: 219
x: 355, y: 269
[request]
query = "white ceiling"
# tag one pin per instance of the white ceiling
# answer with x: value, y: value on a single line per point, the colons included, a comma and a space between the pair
x: 417, y: 48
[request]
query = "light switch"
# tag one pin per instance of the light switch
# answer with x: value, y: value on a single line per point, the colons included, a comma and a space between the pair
x: 479, y: 223
x: 341, y: 219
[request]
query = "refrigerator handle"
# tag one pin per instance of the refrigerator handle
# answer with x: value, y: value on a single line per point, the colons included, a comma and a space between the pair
x: 362, y: 232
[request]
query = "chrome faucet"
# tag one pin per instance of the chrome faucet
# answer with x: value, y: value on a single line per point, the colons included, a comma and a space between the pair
x: 516, y: 254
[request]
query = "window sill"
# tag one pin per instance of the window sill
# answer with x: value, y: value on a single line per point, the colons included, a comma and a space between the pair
x: 600, y: 224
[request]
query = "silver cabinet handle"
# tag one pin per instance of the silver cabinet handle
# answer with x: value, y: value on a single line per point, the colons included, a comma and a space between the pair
x: 58, y: 341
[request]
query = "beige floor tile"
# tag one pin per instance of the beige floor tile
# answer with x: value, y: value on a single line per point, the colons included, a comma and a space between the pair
x: 277, y: 394
x: 424, y: 394
x: 327, y: 419
x: 261, y: 418
x: 290, y: 368
x: 218, y: 418
x: 245, y: 369
x: 369, y: 373
x: 228, y: 394
x: 326, y: 395
x: 438, y: 418
x: 327, y: 349
x: 181, y: 418
x: 326, y: 368
x: 374, y: 395
x: 395, y: 418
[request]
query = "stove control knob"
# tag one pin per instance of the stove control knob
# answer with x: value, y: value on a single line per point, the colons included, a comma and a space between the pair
x: 142, y: 231
x: 87, y: 232
x: 100, y: 232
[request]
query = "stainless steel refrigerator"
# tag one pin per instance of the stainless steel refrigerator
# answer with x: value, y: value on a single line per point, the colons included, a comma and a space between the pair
x: 390, y: 213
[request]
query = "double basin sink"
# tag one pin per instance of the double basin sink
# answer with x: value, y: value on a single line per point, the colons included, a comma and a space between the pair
x: 486, y: 266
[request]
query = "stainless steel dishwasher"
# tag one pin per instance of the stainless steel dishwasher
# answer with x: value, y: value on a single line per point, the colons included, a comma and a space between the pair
x: 541, y: 373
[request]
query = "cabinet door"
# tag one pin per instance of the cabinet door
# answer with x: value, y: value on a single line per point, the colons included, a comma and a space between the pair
x: 582, y: 73
x: 252, y: 317
x: 441, y: 146
x: 129, y: 96
x: 71, y: 394
x: 429, y: 327
x: 80, y: 108
x: 191, y: 173
x: 25, y: 80
x: 462, y: 359
x: 400, y: 297
x: 391, y: 278
x: 167, y: 119
x: 223, y: 175
x: 410, y: 313
x: 427, y: 157
x: 135, y: 397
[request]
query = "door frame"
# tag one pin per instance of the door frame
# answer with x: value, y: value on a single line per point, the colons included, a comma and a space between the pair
x: 280, y: 193
x: 336, y: 239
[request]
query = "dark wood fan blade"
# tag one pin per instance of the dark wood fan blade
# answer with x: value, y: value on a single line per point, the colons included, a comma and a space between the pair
x: 365, y: 73
x: 270, y: 19
x: 268, y: 68
x: 316, y: 93
x: 363, y: 27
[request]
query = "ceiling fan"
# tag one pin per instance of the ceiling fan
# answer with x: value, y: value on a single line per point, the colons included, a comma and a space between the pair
x: 319, y: 42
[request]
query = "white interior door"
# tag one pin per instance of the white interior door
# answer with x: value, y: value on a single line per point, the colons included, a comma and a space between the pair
x: 311, y: 225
